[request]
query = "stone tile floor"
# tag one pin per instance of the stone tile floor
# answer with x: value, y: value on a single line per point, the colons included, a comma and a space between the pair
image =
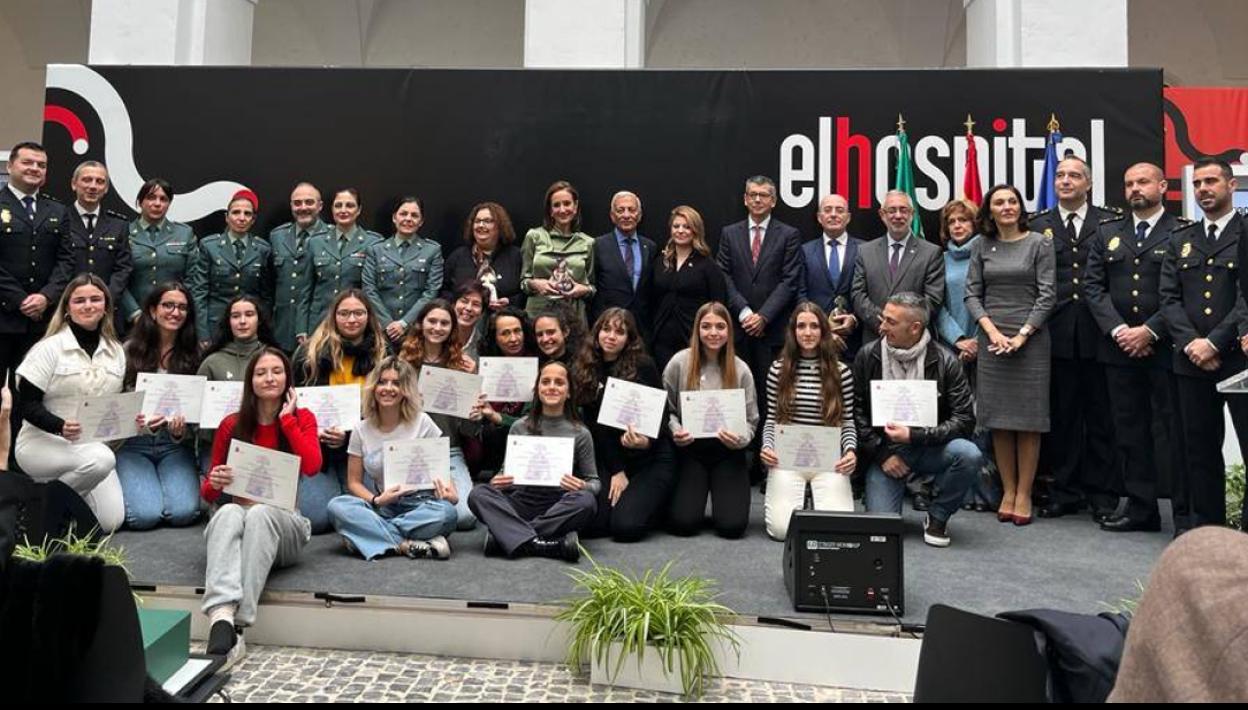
x: 284, y: 675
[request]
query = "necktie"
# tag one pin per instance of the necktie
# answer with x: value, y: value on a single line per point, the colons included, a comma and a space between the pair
x: 756, y: 244
x: 894, y: 260
x: 90, y: 224
x: 301, y: 240
x: 343, y: 242
x: 1141, y: 230
x: 239, y: 249
x: 30, y: 206
x: 630, y: 264
x: 152, y: 231
x: 834, y: 264
x: 1213, y: 234
x: 1071, y: 233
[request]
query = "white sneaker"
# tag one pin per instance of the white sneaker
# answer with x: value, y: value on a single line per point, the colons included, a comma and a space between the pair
x: 934, y: 533
x: 415, y: 549
x: 440, y: 548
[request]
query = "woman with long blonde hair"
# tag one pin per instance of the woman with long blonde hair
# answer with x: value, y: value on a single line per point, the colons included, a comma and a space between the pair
x: 714, y: 467
x: 685, y: 277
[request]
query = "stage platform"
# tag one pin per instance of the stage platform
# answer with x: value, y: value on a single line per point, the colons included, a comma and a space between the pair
x: 1066, y: 564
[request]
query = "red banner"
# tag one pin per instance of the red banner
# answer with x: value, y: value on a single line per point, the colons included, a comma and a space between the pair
x: 1203, y: 121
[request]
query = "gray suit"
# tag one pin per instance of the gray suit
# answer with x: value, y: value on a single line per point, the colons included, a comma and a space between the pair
x: 921, y: 271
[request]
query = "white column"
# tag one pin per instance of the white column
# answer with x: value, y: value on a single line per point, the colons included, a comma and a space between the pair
x: 1046, y: 33
x: 578, y: 34
x: 174, y: 32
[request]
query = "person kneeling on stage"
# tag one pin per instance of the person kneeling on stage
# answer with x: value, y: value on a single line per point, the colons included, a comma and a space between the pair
x: 372, y: 518
x: 537, y: 520
x: 246, y: 539
x: 905, y: 351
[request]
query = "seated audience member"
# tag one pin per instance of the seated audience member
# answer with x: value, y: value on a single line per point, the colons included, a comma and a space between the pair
x: 159, y: 478
x: 243, y: 332
x: 78, y: 358
x: 508, y: 335
x: 808, y: 385
x: 714, y: 467
x: 638, y: 470
x: 375, y: 519
x: 343, y: 349
x: 246, y: 539
x: 541, y: 521
x: 894, y: 453
x: 433, y: 340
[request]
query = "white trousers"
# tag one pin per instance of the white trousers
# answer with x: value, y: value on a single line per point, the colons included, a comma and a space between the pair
x: 89, y: 469
x: 786, y: 492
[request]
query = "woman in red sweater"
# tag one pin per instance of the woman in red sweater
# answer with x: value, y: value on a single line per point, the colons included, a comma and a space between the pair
x: 246, y: 539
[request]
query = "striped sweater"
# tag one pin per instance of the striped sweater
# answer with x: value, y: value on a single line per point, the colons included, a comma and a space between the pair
x: 808, y: 401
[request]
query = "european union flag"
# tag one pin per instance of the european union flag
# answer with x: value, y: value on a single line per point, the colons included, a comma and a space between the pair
x: 1046, y: 196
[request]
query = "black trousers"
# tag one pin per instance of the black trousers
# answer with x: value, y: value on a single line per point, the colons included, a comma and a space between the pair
x: 522, y: 513
x: 1170, y: 445
x: 1132, y: 394
x: 643, y: 502
x: 1204, y: 429
x: 710, y: 468
x: 1080, y: 442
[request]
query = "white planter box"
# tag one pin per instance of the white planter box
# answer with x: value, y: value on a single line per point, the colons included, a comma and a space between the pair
x: 649, y: 676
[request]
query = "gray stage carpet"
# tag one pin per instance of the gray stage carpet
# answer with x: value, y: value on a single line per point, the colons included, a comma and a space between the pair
x: 1065, y: 564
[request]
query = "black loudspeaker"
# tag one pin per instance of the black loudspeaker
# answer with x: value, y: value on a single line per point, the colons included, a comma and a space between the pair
x: 845, y: 562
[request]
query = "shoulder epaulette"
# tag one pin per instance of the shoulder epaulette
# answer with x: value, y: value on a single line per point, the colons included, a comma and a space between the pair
x: 1041, y: 213
x: 1113, y: 218
x: 50, y: 198
x: 1111, y: 210
x: 1184, y: 224
x: 118, y: 215
x: 211, y: 238
x: 1184, y: 221
x: 280, y: 227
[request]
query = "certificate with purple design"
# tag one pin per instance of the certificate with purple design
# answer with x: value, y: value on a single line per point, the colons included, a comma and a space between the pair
x: 539, y: 460
x: 263, y: 475
x: 627, y: 404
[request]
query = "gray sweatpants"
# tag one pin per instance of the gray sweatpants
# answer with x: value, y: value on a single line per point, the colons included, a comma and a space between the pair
x: 244, y: 543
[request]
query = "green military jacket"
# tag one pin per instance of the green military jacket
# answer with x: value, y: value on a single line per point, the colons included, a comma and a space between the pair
x: 160, y: 252
x: 336, y: 267
x: 400, y: 281
x: 292, y: 287
x: 217, y: 276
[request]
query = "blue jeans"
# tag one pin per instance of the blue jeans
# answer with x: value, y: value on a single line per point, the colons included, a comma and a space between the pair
x: 952, y: 466
x: 416, y: 516
x: 315, y: 492
x: 463, y: 486
x: 159, y: 482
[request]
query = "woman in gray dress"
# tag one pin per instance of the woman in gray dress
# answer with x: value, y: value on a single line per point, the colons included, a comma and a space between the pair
x: 1009, y: 292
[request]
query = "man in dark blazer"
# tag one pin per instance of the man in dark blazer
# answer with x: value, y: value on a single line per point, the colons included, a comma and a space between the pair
x: 761, y: 258
x: 623, y: 259
x: 32, y: 227
x: 898, y: 262
x: 830, y: 271
x: 1123, y: 286
x: 99, y: 240
x: 1208, y: 321
x: 1079, y: 448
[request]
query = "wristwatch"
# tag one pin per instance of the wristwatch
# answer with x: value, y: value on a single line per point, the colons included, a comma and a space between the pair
x: 1026, y: 331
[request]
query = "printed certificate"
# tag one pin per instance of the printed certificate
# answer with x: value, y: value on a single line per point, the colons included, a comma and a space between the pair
x: 263, y: 475
x: 539, y: 460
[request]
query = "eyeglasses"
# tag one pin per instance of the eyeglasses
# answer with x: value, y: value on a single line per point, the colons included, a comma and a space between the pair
x: 352, y: 314
x: 171, y: 306
x: 898, y: 210
x: 759, y: 195
x: 483, y: 220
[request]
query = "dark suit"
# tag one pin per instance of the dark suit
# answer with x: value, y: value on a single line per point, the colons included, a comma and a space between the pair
x: 1201, y: 299
x: 676, y: 296
x: 615, y: 286
x: 105, y: 252
x: 1123, y: 288
x: 921, y: 271
x: 818, y: 288
x: 769, y: 288
x: 1079, y: 447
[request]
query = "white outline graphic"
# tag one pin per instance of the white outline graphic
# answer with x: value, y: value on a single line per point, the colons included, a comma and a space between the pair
x: 119, y: 145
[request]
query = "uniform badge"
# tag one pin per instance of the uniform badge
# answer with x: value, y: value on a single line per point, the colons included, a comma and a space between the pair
x: 5, y: 216
x: 1113, y: 244
x: 1048, y: 232
x: 1187, y: 250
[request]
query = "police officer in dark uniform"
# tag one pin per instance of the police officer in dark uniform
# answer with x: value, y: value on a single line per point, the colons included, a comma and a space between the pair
x: 1123, y: 290
x: 1208, y: 320
x: 1080, y: 444
x: 99, y: 240
x: 292, y: 266
x: 32, y: 227
x: 233, y: 263
x: 161, y: 249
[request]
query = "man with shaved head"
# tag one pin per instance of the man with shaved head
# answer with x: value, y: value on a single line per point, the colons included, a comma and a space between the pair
x: 1122, y: 284
x: 623, y: 260
x: 292, y: 266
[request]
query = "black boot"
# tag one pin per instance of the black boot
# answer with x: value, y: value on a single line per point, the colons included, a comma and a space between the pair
x: 492, y: 548
x: 564, y: 548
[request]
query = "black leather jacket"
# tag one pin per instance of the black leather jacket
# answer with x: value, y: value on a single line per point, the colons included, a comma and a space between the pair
x: 955, y: 402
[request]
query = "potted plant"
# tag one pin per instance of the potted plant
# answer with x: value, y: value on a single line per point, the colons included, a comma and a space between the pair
x: 654, y: 632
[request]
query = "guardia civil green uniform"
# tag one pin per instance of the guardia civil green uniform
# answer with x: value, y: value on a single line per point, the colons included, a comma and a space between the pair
x: 160, y: 252
x: 337, y: 265
x: 401, y: 276
x: 224, y: 267
x: 292, y: 271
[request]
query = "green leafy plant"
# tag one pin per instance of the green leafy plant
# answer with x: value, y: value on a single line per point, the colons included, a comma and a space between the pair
x: 1128, y: 605
x: 1235, y: 495
x: 677, y: 618
x: 73, y: 544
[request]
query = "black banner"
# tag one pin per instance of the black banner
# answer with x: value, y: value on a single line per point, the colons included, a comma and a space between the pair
x: 456, y: 137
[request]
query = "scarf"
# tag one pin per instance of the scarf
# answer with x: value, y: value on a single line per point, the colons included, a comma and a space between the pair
x: 904, y: 364
x: 960, y: 252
